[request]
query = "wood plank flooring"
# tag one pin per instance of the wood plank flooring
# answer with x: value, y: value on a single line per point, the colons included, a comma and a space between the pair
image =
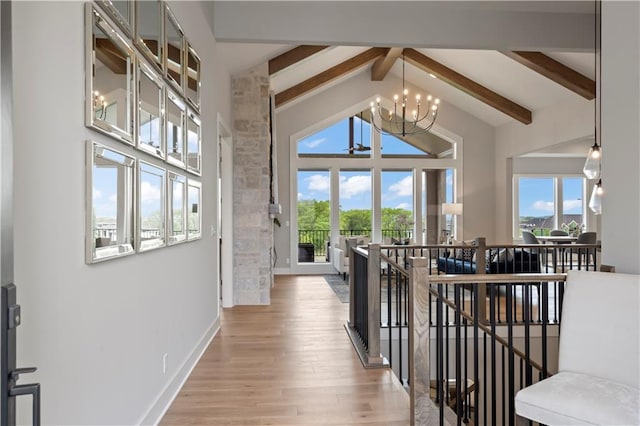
x: 290, y: 363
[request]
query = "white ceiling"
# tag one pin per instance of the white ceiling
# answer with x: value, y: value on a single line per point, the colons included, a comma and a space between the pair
x: 489, y: 68
x: 455, y: 33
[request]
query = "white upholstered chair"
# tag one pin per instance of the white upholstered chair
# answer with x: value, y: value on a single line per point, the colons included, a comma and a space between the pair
x: 340, y: 255
x: 599, y: 375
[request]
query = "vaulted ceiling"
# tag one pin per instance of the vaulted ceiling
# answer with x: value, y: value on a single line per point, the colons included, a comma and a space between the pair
x: 497, y: 87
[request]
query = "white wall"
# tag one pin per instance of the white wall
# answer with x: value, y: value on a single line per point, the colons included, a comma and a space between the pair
x: 477, y: 195
x: 97, y: 333
x: 621, y: 135
x: 466, y: 25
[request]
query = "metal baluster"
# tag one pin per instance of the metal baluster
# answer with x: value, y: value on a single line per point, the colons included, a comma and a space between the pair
x: 389, y: 326
x: 545, y: 319
x: 446, y: 348
x: 399, y: 326
x: 511, y: 354
x: 458, y: 393
x: 484, y: 380
x: 440, y: 350
x: 492, y: 312
x: 504, y: 387
x: 476, y: 344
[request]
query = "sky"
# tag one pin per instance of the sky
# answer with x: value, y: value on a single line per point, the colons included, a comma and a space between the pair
x: 355, y: 186
x: 536, y: 194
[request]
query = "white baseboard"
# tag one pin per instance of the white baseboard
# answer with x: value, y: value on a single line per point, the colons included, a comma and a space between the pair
x: 169, y: 393
x: 282, y: 271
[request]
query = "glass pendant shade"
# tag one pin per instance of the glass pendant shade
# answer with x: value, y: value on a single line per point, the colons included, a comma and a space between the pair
x: 592, y: 164
x: 595, y: 203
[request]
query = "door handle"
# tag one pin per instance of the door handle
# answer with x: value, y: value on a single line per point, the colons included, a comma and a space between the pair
x: 32, y: 389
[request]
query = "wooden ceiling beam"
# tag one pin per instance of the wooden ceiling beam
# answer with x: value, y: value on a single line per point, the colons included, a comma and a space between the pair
x: 109, y: 54
x: 292, y: 56
x: 329, y: 75
x: 556, y: 71
x: 382, y: 66
x: 468, y: 86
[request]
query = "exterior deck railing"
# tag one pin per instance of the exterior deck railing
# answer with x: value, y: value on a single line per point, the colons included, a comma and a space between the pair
x: 319, y: 238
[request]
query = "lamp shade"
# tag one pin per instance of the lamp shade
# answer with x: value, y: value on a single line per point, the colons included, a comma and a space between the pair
x: 452, y: 208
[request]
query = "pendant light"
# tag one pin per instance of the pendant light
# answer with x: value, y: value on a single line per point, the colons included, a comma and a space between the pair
x: 593, y: 165
x: 595, y: 203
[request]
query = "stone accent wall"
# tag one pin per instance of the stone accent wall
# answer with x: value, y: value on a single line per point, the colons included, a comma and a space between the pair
x: 252, y: 227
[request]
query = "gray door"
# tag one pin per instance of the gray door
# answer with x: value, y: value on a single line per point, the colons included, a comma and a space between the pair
x: 9, y: 309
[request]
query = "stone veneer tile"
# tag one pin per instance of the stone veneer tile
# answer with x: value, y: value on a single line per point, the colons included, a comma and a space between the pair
x: 253, y: 229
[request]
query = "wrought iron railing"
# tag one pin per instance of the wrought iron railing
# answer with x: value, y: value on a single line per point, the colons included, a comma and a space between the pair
x: 319, y: 238
x: 494, y: 323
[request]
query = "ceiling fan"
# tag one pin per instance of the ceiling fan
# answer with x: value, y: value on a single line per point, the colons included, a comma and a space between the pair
x: 359, y: 146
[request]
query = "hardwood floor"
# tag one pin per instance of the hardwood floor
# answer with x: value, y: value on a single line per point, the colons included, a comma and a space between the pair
x: 290, y: 363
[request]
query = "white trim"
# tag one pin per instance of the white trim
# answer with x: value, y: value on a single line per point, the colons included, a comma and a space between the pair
x: 587, y: 216
x: 224, y: 146
x: 164, y: 400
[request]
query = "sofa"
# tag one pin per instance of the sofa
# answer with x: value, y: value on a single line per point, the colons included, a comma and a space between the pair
x: 505, y: 261
x: 598, y: 379
x: 340, y: 255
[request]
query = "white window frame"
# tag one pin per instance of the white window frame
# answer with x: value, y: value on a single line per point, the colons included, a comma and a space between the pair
x: 557, y: 199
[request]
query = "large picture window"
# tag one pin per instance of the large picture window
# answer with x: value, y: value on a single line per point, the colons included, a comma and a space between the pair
x: 544, y: 203
x: 355, y: 202
x: 350, y: 180
x: 314, y: 215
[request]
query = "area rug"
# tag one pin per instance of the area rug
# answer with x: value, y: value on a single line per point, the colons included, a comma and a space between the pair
x: 339, y: 286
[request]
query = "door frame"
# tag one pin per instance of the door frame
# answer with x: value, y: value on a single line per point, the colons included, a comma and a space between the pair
x: 224, y: 233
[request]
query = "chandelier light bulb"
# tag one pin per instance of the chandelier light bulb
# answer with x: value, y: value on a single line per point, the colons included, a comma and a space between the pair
x: 377, y: 100
x: 395, y: 98
x: 405, y: 92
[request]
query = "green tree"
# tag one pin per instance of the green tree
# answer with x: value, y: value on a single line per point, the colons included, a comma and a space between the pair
x: 356, y: 219
x: 313, y: 215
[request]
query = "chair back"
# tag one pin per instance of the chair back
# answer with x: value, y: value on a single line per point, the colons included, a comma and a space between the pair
x: 558, y: 233
x: 587, y: 238
x: 529, y: 238
x: 599, y: 332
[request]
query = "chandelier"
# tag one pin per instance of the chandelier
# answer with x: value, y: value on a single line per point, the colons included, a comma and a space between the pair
x: 403, y: 120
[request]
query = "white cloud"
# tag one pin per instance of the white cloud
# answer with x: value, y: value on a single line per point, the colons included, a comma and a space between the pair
x: 546, y: 206
x: 97, y: 194
x: 113, y: 198
x: 300, y: 196
x: 354, y: 185
x: 315, y: 143
x: 403, y: 188
x: 571, y: 204
x: 149, y: 193
x: 405, y: 206
x: 318, y: 183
